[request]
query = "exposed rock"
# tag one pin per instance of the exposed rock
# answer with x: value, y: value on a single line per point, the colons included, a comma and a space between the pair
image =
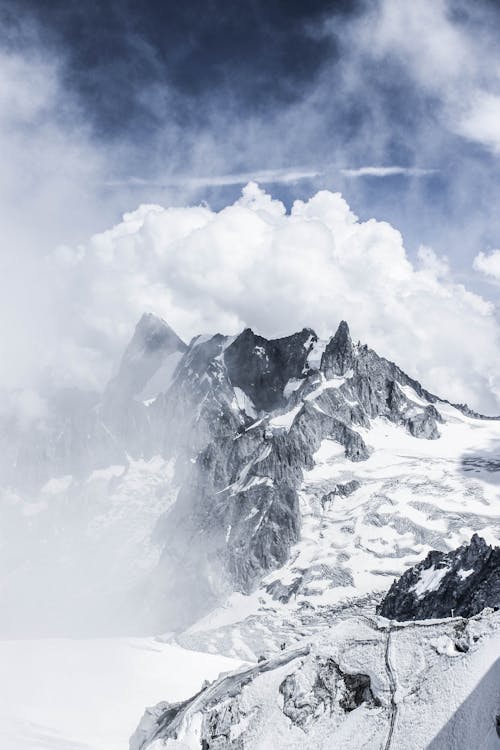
x: 458, y: 583
x: 340, y: 490
x: 314, y: 687
x: 338, y: 356
x: 262, y: 368
x: 282, y: 592
x: 223, y: 722
x: 322, y: 687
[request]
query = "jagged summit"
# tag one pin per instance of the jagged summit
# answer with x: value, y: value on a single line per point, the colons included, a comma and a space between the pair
x: 461, y: 583
x: 262, y: 367
x: 151, y: 345
x: 152, y: 334
x: 338, y: 356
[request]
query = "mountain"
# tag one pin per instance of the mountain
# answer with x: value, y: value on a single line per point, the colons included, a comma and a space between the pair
x: 256, y: 498
x: 461, y: 582
x: 294, y: 470
x: 251, y: 414
x: 149, y: 360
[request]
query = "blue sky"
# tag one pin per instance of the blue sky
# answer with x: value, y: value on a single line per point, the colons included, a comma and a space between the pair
x: 171, y: 90
x: 211, y: 88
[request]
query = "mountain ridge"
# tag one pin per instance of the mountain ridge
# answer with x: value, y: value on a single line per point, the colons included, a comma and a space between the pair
x: 243, y: 445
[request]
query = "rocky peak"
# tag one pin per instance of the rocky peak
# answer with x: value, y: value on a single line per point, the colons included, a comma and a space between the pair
x: 152, y: 342
x: 152, y: 335
x: 338, y: 356
x: 458, y: 583
x: 262, y: 367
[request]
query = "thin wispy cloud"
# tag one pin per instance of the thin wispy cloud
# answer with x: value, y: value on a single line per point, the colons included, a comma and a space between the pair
x: 387, y: 172
x: 264, y: 176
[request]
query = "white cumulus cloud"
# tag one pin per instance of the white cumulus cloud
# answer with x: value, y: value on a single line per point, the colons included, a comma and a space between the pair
x: 488, y: 264
x: 254, y: 264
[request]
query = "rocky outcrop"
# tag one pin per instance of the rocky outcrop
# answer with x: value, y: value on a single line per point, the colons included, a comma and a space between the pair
x: 458, y: 583
x: 338, y: 357
x: 223, y: 721
x: 323, y: 688
x: 262, y: 368
x: 340, y: 490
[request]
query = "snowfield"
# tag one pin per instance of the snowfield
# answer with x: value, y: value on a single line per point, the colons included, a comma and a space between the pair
x: 63, y: 694
x: 416, y: 495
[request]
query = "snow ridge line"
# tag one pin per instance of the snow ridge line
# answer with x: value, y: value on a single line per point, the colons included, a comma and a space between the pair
x: 225, y: 685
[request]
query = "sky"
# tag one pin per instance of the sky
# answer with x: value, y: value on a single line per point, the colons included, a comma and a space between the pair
x: 109, y: 106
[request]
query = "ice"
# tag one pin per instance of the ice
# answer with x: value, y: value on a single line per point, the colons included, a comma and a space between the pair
x: 244, y: 402
x: 161, y: 380
x: 314, y: 358
x: 429, y: 580
x: 325, y: 385
x: 412, y: 395
x: 285, y: 421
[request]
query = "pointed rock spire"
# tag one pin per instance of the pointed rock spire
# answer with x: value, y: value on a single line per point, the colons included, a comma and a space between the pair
x: 338, y: 356
x: 151, y: 334
x: 153, y: 341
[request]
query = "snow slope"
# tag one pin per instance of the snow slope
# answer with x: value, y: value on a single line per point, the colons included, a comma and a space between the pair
x: 415, y: 495
x: 424, y: 692
x: 64, y: 694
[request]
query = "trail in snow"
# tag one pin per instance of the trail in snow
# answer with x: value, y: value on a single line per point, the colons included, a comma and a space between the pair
x: 393, y: 686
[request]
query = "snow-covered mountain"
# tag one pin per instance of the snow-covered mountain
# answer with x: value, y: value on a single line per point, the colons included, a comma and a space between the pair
x: 296, y: 468
x: 255, y: 499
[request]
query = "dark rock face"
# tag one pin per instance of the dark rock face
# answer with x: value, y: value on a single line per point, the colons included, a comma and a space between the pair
x: 458, y: 583
x: 331, y: 687
x: 262, y: 368
x: 338, y: 356
x: 217, y: 725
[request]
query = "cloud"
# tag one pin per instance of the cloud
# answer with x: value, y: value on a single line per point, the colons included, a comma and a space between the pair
x: 450, y: 51
x: 489, y: 264
x: 254, y: 264
x: 263, y: 176
x: 49, y: 170
x: 387, y: 172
